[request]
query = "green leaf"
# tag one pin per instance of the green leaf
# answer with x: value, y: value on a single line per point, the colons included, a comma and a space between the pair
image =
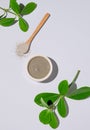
x: 46, y: 96
x: 81, y: 93
x: 14, y: 6
x: 63, y: 87
x: 11, y: 2
x: 62, y: 107
x: 7, y: 21
x: 54, y: 122
x: 44, y: 116
x: 23, y: 24
x: 30, y: 7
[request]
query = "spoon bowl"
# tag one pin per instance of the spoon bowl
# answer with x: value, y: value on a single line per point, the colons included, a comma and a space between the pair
x: 22, y: 49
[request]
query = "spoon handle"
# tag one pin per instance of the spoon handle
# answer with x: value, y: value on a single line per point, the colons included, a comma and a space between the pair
x: 38, y: 28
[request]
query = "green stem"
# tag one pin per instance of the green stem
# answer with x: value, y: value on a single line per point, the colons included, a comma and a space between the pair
x: 58, y: 99
x: 75, y: 78
x: 8, y: 11
x: 44, y: 103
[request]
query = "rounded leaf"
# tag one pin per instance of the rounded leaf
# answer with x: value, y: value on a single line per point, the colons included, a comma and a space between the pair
x: 62, y: 107
x: 46, y: 97
x: 14, y: 6
x: 63, y: 87
x: 23, y: 24
x: 30, y: 7
x: 7, y: 21
x: 54, y: 122
x: 44, y: 116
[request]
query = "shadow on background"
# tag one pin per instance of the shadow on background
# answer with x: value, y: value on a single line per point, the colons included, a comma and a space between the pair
x: 54, y: 72
x: 72, y: 88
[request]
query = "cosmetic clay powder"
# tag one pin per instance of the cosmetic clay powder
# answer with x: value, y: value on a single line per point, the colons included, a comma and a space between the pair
x: 38, y: 67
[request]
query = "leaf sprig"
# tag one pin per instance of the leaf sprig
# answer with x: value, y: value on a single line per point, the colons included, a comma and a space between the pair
x: 18, y: 11
x: 57, y: 101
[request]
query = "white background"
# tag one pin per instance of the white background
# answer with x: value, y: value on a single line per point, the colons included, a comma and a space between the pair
x: 66, y: 39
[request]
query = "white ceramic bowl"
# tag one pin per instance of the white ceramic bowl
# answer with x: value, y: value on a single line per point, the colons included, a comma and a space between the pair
x: 39, y: 68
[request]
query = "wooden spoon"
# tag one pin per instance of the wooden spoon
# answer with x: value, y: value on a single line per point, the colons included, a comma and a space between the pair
x: 23, y: 48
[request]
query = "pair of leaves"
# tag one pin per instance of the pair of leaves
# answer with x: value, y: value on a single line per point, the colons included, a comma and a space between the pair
x: 22, y: 10
x: 48, y: 97
x: 78, y: 94
x: 63, y: 89
x: 49, y: 117
x: 19, y: 10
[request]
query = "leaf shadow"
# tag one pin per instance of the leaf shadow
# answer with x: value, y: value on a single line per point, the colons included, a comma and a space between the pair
x: 57, y: 118
x: 72, y: 88
x: 67, y: 108
x: 54, y: 71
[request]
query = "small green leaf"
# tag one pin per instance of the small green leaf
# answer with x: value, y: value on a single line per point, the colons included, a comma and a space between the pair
x: 23, y: 24
x: 81, y: 93
x: 63, y: 87
x: 44, y: 116
x: 30, y: 7
x: 14, y: 6
x: 7, y: 21
x: 54, y: 122
x: 62, y: 107
x: 46, y: 97
x: 44, y: 103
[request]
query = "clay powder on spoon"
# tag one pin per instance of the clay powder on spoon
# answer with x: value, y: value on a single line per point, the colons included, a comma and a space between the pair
x: 22, y: 49
x: 39, y: 68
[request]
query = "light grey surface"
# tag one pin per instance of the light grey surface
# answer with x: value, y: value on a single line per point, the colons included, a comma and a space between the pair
x: 65, y: 38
